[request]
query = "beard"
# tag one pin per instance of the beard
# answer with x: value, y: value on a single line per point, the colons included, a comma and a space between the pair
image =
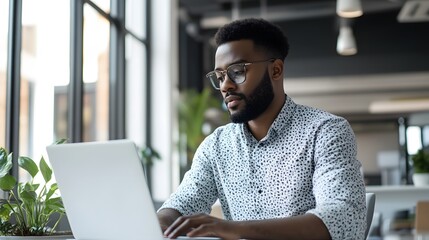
x: 256, y: 103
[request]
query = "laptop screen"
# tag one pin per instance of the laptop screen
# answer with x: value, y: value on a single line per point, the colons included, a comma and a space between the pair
x: 104, y: 190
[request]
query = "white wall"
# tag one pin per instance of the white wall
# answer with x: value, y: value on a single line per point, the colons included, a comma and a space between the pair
x: 359, y: 94
x: 372, y: 142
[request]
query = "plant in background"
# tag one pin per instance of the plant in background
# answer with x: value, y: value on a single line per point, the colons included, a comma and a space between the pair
x: 30, y: 206
x: 199, y: 114
x: 148, y: 155
x: 192, y: 110
x: 421, y: 161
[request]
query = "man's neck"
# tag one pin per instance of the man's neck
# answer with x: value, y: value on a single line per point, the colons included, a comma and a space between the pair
x: 259, y: 126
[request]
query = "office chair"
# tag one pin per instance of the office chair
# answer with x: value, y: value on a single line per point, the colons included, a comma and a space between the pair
x: 370, y: 203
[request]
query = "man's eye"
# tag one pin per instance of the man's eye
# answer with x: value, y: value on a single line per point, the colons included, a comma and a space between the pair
x: 236, y: 71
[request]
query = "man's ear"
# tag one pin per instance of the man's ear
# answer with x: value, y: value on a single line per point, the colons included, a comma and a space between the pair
x: 277, y: 70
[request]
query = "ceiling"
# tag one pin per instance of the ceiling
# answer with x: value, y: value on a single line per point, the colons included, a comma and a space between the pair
x: 215, y: 13
x: 385, y: 45
x: 390, y: 50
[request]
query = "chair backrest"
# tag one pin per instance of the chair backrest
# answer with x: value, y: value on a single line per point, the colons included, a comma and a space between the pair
x: 370, y: 203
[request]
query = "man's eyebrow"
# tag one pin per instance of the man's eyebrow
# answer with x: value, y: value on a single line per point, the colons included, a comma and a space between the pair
x: 235, y: 62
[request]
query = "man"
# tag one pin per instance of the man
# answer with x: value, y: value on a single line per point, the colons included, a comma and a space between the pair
x: 280, y: 170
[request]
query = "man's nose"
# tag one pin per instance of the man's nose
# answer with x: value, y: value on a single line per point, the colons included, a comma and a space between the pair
x: 227, y: 84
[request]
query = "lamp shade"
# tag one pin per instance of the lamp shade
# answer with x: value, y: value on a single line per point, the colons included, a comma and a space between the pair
x: 346, y: 44
x: 349, y: 8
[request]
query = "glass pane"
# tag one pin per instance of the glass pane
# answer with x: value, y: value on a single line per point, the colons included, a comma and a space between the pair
x: 95, y: 76
x: 136, y: 17
x: 4, y: 14
x: 414, y: 140
x: 135, y: 90
x: 44, y: 67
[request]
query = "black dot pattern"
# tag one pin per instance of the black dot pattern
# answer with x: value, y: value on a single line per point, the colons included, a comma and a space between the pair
x: 305, y: 164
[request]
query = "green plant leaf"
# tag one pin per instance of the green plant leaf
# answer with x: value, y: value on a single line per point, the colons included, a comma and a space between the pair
x: 5, y: 212
x: 421, y: 161
x: 7, y: 182
x: 54, y: 187
x: 29, y: 165
x: 28, y: 196
x: 55, y: 205
x: 149, y: 155
x: 10, y: 207
x: 45, y: 169
x: 35, y: 186
x: 3, y: 154
x: 27, y: 186
x: 61, y: 141
x: 5, y: 162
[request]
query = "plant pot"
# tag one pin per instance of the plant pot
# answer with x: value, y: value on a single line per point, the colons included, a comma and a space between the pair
x: 36, y: 237
x: 421, y: 179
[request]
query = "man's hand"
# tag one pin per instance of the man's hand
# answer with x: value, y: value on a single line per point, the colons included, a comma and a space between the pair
x: 166, y: 217
x: 203, y: 225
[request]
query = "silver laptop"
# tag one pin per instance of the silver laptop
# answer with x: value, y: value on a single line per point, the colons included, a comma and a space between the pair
x: 104, y: 191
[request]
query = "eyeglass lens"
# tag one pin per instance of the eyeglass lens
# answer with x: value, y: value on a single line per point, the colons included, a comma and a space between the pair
x: 236, y: 73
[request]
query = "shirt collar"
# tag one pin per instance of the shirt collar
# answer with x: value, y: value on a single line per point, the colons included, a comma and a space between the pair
x: 282, y: 119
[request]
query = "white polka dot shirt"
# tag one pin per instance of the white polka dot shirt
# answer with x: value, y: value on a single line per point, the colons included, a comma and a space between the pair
x: 305, y: 164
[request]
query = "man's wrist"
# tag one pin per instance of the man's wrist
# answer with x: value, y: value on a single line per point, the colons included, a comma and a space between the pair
x: 166, y: 217
x: 240, y: 227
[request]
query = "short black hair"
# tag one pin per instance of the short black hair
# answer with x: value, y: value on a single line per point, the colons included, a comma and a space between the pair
x: 263, y: 34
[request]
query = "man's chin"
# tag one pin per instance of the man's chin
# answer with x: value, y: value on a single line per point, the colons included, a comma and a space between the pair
x: 237, y: 117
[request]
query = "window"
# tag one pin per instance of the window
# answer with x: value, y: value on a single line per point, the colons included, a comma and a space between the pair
x: 135, y: 88
x: 414, y: 140
x: 136, y: 72
x: 135, y: 21
x: 44, y: 69
x: 95, y: 76
x: 49, y: 107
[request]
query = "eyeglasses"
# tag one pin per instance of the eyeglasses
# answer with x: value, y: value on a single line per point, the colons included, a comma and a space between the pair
x: 236, y: 73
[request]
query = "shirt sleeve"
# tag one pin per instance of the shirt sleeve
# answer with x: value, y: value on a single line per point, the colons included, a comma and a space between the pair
x: 197, y: 192
x: 338, y: 185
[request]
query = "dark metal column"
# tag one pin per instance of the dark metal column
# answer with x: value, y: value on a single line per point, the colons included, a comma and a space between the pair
x: 148, y: 138
x: 403, y: 149
x: 75, y: 91
x: 13, y: 82
x: 117, y: 71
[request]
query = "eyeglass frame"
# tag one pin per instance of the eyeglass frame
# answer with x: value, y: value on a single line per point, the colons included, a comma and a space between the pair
x: 225, y: 72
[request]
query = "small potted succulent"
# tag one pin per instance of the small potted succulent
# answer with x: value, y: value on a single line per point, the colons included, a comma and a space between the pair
x: 31, y: 209
x: 421, y: 167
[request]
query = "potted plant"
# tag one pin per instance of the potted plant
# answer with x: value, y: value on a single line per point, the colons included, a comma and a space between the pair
x: 421, y: 167
x: 148, y: 156
x: 30, y: 207
x: 194, y: 108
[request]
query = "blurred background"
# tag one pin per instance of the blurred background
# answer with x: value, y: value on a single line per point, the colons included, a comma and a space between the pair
x: 381, y: 86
